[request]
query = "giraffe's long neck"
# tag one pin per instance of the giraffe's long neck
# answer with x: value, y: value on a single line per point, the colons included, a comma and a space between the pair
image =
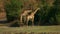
x: 36, y: 10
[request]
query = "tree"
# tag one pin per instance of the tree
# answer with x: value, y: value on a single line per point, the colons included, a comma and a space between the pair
x: 13, y: 9
x: 43, y: 13
x: 48, y: 14
x: 57, y: 10
x: 52, y: 14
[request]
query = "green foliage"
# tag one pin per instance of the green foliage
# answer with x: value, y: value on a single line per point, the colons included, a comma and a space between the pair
x: 44, y: 12
x: 48, y: 13
x: 13, y: 8
x: 57, y: 5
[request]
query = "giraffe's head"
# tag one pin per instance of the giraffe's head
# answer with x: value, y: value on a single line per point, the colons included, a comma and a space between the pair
x: 35, y: 10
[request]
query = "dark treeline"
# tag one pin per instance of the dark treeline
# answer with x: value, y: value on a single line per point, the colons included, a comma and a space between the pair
x: 47, y: 15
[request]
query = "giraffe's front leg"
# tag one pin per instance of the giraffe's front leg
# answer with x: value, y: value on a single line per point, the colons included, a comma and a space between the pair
x: 27, y: 22
x: 32, y: 22
x: 21, y: 21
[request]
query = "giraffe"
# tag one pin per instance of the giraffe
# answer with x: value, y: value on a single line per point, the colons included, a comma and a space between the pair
x: 31, y: 17
x: 23, y: 15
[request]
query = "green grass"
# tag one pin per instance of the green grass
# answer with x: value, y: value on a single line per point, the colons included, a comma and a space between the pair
x: 31, y: 29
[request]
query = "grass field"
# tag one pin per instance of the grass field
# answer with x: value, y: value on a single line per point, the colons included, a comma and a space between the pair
x: 36, y: 29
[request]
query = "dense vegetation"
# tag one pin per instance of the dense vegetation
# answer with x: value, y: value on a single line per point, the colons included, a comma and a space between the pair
x: 47, y: 15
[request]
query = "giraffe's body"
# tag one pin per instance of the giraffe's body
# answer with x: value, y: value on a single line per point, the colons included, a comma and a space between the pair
x: 23, y: 16
x: 31, y: 16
